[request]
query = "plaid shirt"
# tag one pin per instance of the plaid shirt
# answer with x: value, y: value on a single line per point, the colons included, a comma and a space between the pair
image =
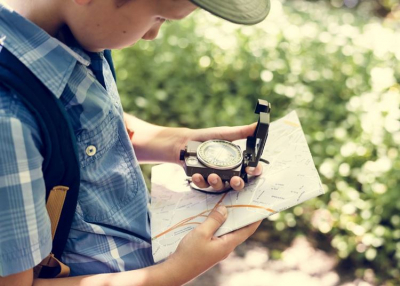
x: 110, y: 230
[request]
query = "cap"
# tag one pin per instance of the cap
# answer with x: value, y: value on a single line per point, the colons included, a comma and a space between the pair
x: 247, y: 12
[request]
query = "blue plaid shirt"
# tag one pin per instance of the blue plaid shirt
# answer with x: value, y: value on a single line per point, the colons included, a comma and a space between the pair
x: 110, y: 230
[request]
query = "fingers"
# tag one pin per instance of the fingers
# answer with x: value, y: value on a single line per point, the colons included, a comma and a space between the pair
x: 255, y: 171
x: 213, y: 180
x: 237, y: 183
x: 199, y: 181
x: 239, y: 236
x: 213, y: 222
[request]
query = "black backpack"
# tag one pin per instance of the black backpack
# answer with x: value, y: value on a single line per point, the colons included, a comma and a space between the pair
x: 61, y: 165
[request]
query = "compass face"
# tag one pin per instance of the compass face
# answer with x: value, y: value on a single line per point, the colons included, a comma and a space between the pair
x: 219, y: 154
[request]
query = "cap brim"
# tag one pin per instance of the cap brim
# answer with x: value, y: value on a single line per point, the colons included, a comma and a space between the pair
x: 247, y: 12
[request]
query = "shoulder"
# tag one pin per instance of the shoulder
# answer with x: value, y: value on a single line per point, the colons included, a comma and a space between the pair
x: 12, y: 107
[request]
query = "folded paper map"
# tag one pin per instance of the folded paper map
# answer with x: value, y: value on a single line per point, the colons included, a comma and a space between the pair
x: 290, y: 179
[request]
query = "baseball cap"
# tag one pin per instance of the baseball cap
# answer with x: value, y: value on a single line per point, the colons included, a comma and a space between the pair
x: 247, y: 12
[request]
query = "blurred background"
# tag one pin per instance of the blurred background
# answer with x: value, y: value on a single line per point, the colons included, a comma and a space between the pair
x: 337, y: 63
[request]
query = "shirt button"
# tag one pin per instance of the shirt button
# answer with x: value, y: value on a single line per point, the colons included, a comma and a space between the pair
x: 91, y: 150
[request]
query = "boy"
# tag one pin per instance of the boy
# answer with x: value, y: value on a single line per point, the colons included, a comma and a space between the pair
x: 62, y: 44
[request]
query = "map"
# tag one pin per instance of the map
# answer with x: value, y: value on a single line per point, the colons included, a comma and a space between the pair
x: 290, y: 179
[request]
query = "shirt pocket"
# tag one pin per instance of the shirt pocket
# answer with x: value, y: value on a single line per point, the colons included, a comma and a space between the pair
x: 108, y: 175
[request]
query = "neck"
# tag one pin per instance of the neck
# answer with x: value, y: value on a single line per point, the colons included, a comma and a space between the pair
x: 40, y: 12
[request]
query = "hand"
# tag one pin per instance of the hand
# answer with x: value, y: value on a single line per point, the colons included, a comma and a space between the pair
x: 155, y: 144
x: 224, y: 133
x: 199, y: 250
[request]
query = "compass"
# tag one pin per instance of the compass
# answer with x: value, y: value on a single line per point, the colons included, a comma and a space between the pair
x: 225, y: 158
x: 219, y: 154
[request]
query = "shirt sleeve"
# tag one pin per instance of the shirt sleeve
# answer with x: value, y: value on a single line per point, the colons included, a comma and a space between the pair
x: 25, y: 236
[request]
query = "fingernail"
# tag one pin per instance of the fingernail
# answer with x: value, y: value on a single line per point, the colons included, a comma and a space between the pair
x: 214, y: 181
x: 250, y: 169
x: 221, y: 210
x: 237, y: 184
x: 196, y: 179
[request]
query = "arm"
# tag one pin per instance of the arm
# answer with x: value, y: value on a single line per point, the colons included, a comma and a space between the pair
x: 154, y: 143
x: 197, y: 252
x: 154, y: 275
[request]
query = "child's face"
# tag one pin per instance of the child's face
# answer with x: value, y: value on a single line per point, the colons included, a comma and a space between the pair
x: 115, y: 24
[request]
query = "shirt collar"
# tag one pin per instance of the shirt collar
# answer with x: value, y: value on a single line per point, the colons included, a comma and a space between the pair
x: 50, y: 60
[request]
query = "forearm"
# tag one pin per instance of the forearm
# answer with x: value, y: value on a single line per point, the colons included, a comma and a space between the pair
x: 154, y: 143
x: 157, y: 275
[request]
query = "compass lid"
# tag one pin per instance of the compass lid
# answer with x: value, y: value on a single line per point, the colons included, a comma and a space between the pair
x: 255, y: 144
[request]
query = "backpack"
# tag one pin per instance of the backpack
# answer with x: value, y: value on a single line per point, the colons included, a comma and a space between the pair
x: 61, y: 165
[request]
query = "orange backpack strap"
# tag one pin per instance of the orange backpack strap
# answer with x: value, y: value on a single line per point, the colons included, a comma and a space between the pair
x: 51, y: 267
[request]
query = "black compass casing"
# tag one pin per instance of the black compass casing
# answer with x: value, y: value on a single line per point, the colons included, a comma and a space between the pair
x: 251, y: 156
x: 193, y: 165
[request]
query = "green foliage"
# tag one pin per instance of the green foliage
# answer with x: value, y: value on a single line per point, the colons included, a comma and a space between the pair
x: 379, y: 7
x: 339, y: 71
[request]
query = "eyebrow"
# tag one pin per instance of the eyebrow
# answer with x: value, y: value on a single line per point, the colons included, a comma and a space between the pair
x: 120, y: 3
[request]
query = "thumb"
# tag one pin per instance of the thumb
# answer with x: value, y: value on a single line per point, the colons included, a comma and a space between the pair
x: 233, y: 133
x: 238, y: 132
x: 214, y: 221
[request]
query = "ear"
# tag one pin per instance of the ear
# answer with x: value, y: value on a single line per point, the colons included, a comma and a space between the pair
x: 82, y: 2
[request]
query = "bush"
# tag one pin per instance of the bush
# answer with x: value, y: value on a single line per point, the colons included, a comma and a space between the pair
x: 339, y: 71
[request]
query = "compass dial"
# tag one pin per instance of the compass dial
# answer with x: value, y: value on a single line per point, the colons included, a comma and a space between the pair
x: 219, y: 154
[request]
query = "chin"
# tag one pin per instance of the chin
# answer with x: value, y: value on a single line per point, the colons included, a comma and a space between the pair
x: 98, y: 47
x: 120, y: 46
